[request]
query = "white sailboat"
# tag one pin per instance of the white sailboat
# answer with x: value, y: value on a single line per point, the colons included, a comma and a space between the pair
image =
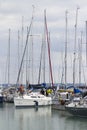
x: 33, y: 98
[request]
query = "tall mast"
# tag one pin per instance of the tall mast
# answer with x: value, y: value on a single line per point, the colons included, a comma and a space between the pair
x: 21, y: 64
x: 32, y: 59
x: 9, y: 57
x: 40, y: 62
x: 66, y: 49
x: 86, y: 42
x: 74, y: 61
x: 27, y: 82
x: 49, y: 67
x: 22, y: 32
x: 18, y: 49
x: 44, y: 53
x: 47, y: 36
x: 80, y: 58
x: 32, y: 49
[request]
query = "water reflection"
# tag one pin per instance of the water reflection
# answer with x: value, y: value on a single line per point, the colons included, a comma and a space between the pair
x: 77, y: 123
x: 43, y: 118
x: 32, y: 118
x: 28, y: 112
x: 1, y: 105
x: 69, y: 122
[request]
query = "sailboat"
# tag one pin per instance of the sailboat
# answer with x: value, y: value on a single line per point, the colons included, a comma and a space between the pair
x: 62, y: 96
x: 8, y: 93
x: 29, y: 99
x: 78, y: 107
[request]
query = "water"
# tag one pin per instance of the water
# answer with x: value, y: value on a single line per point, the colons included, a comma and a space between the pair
x: 38, y: 119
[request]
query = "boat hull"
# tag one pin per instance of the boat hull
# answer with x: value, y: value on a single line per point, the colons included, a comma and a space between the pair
x: 1, y: 99
x: 31, y: 102
x: 77, y: 111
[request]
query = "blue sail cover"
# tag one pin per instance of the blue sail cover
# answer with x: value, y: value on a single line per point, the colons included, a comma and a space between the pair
x: 77, y: 90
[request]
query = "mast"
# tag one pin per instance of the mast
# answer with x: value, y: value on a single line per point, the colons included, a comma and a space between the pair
x: 47, y: 36
x: 22, y: 32
x: 80, y: 58
x: 66, y: 48
x: 86, y: 42
x: 27, y: 82
x: 21, y: 64
x: 40, y: 61
x: 74, y: 61
x: 18, y: 49
x: 49, y: 47
x: 32, y: 58
x: 44, y: 53
x: 62, y: 64
x: 9, y: 58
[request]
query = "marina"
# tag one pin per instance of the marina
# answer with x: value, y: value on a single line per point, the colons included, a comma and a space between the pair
x: 43, y: 65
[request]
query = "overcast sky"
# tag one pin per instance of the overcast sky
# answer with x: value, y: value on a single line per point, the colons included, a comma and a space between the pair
x: 11, y: 14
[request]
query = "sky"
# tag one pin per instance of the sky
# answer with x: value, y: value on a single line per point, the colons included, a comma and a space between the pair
x: 15, y: 14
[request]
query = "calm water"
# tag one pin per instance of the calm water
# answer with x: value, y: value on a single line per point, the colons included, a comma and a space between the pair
x: 41, y: 119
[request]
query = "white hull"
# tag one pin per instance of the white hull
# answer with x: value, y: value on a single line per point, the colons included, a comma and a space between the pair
x: 32, y: 100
